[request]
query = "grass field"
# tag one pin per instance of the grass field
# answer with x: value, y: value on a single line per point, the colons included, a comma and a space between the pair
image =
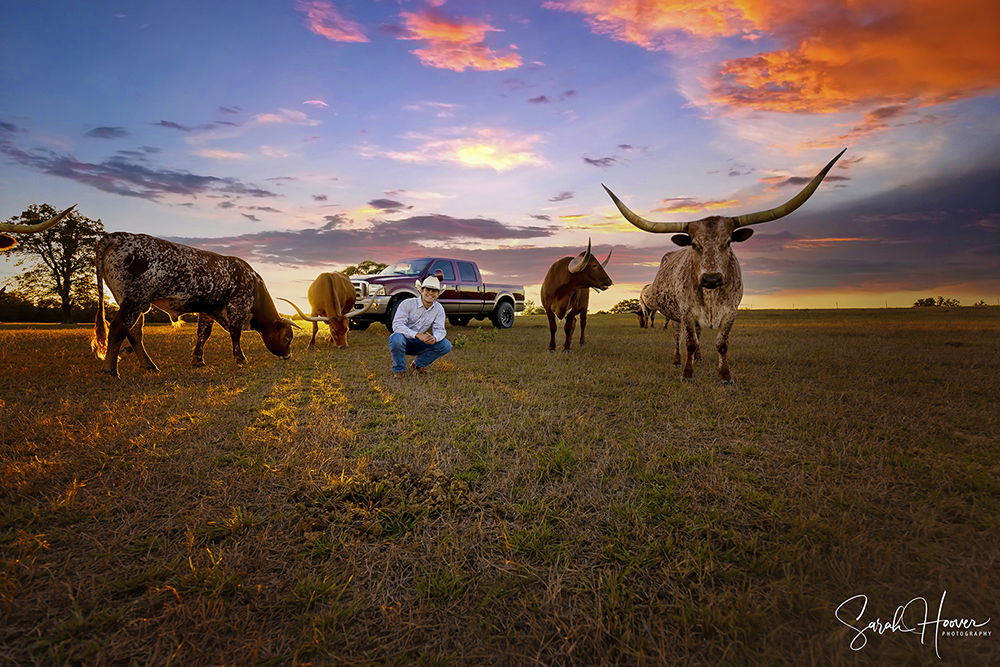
x: 516, y: 507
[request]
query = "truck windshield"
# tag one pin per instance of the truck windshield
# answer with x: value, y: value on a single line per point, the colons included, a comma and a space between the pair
x: 407, y: 267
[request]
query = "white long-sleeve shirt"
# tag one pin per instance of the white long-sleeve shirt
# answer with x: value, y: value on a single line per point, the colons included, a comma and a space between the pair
x: 412, y: 318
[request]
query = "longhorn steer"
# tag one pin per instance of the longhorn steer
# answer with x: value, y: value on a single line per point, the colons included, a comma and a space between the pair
x: 701, y: 283
x: 143, y: 271
x: 332, y: 297
x: 566, y: 292
x: 7, y: 241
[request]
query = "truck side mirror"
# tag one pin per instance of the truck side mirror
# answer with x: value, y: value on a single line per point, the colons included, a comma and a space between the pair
x: 439, y: 274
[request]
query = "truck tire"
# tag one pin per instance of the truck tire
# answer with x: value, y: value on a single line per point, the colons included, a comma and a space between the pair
x: 358, y: 325
x: 503, y: 315
x: 390, y: 311
x: 459, y: 320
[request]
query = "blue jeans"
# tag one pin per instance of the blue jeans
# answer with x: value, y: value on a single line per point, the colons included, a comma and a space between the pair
x: 400, y: 346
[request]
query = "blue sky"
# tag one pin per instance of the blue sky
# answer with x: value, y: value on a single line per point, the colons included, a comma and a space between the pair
x: 305, y: 136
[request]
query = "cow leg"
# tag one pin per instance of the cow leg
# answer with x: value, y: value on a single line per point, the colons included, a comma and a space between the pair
x: 312, y: 343
x: 135, y: 340
x: 691, y: 340
x: 237, y: 350
x: 204, y: 331
x: 697, y: 335
x: 583, y: 327
x: 552, y: 330
x: 128, y: 315
x: 677, y: 343
x: 570, y: 323
x: 722, y: 345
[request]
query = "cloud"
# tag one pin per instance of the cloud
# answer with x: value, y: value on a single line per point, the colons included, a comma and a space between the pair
x: 453, y: 44
x: 689, y: 205
x: 440, y: 109
x: 479, y: 147
x: 338, y: 240
x: 541, y: 99
x: 316, y: 103
x: 129, y: 178
x: 887, y: 59
x: 326, y: 20
x: 602, y: 162
x: 108, y: 133
x: 248, y: 216
x: 230, y: 110
x: 285, y: 117
x: 388, y: 205
x: 562, y: 196
x: 320, y: 198
x: 220, y: 155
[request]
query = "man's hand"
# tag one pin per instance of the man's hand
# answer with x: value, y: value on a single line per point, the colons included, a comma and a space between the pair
x: 426, y: 338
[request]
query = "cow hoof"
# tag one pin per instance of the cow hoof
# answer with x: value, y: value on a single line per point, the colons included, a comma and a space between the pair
x: 728, y: 383
x: 113, y: 374
x: 691, y: 380
x: 197, y: 363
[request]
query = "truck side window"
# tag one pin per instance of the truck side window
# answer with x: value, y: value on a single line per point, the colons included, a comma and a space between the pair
x: 467, y: 271
x: 445, y: 268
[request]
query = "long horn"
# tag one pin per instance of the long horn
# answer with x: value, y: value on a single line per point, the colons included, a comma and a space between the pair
x: 605, y: 262
x: 791, y: 204
x: 307, y: 318
x: 38, y: 226
x: 642, y: 223
x: 362, y: 307
x: 577, y: 263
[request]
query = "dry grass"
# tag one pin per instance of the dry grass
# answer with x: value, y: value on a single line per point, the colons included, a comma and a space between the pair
x: 516, y: 507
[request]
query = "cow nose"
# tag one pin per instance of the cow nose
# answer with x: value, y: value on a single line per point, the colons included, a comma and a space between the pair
x: 711, y: 280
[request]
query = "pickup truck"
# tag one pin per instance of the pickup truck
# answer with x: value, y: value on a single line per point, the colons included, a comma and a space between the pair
x: 464, y: 295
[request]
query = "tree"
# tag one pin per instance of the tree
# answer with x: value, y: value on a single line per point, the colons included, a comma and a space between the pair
x: 930, y: 302
x: 60, y: 259
x: 626, y: 306
x: 364, y: 268
x: 531, y: 309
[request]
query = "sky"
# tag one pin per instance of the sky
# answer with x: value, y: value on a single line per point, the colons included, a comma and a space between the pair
x: 308, y: 135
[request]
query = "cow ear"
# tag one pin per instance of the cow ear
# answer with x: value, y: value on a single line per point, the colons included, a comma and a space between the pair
x: 742, y: 234
x: 681, y: 239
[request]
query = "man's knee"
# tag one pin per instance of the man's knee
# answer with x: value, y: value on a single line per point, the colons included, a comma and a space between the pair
x: 445, y: 346
x: 397, y: 341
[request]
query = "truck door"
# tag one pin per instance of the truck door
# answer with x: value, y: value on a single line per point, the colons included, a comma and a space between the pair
x: 450, y: 297
x: 471, y: 288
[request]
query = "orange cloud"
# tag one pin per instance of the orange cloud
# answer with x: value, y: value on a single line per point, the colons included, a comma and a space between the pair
x: 325, y: 20
x: 454, y: 44
x: 834, y: 56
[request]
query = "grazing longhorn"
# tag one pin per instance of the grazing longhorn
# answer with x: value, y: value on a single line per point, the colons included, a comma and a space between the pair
x: 701, y: 283
x: 143, y: 271
x: 646, y: 313
x: 332, y: 299
x: 7, y: 241
x: 566, y: 292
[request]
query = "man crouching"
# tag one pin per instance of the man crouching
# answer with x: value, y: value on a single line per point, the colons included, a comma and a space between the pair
x: 418, y: 328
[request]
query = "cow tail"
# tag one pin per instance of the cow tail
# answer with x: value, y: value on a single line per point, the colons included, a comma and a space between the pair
x: 99, y: 338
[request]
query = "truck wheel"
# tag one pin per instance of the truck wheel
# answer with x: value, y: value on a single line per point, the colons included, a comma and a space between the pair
x: 390, y: 312
x: 503, y: 316
x: 459, y: 320
x: 358, y: 325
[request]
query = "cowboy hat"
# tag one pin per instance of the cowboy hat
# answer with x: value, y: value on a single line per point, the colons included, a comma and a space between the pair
x: 430, y: 282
